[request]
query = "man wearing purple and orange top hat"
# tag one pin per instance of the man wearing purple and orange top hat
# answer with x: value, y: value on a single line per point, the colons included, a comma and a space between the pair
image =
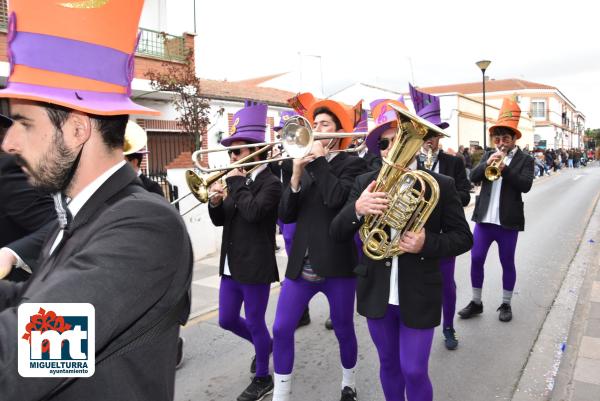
x: 433, y: 159
x: 318, y: 188
x: 498, y: 212
x: 247, y: 267
x: 401, y: 296
x: 114, y: 245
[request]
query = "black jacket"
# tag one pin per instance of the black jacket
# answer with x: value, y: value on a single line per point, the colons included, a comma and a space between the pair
x: 324, y: 191
x: 453, y: 166
x: 419, y: 277
x: 517, y: 178
x: 150, y: 185
x: 248, y: 216
x: 128, y: 254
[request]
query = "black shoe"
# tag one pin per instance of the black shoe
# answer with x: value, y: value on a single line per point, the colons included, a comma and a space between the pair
x: 348, y: 394
x: 505, y: 312
x: 305, y: 319
x: 450, y: 339
x: 258, y: 389
x: 179, y: 361
x: 328, y: 324
x: 253, y: 365
x: 470, y: 310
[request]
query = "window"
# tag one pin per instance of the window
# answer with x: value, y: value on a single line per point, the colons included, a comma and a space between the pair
x: 538, y: 108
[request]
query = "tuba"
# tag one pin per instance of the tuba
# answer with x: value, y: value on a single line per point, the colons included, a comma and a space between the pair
x: 412, y: 194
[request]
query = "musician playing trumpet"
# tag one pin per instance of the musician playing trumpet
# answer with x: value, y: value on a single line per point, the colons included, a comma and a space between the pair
x: 498, y: 209
x: 401, y: 296
x: 247, y: 267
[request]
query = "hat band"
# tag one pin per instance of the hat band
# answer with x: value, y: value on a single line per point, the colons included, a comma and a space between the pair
x: 247, y: 128
x: 430, y: 114
x: 73, y: 57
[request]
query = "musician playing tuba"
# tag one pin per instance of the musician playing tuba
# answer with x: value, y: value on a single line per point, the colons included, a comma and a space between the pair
x: 401, y: 295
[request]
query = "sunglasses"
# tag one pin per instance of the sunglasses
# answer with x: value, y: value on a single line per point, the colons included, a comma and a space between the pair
x: 383, y: 143
x: 234, y: 151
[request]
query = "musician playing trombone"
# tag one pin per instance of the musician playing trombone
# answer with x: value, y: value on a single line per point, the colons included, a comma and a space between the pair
x: 247, y: 267
x: 401, y: 296
x: 505, y: 173
x: 318, y: 188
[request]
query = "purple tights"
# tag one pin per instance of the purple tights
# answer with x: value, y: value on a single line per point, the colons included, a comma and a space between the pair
x: 294, y: 297
x: 253, y: 328
x: 403, y: 357
x: 483, y: 236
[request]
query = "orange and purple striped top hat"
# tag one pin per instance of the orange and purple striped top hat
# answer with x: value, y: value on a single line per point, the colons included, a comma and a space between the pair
x: 78, y: 54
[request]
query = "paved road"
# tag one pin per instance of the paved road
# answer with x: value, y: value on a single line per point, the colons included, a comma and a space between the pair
x: 491, y: 354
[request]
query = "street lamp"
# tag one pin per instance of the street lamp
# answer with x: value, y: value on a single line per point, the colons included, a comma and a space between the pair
x: 483, y: 65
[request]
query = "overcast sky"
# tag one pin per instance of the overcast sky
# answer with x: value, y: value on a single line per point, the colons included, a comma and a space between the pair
x: 389, y: 43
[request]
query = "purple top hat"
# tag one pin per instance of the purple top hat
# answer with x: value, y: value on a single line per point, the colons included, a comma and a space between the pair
x: 249, y: 124
x: 384, y: 116
x: 363, y: 124
x: 283, y: 117
x: 427, y: 106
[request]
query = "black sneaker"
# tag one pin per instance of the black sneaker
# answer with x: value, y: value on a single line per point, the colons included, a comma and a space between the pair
x: 179, y: 361
x: 505, y: 312
x: 328, y: 324
x: 450, y: 339
x: 470, y: 310
x: 305, y: 319
x: 348, y: 394
x: 258, y: 389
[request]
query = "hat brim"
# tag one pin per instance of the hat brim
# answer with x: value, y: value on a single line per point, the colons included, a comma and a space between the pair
x: 443, y: 125
x: 374, y: 136
x: 518, y: 134
x: 241, y: 137
x: 98, y: 103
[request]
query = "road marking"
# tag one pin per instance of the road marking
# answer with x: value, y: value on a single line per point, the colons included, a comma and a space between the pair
x: 577, y: 177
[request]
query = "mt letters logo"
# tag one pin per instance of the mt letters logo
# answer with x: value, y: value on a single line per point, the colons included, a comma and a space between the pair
x: 56, y: 339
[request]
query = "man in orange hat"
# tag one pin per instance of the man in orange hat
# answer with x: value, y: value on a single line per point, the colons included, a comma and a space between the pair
x: 115, y: 247
x: 318, y: 188
x: 498, y: 212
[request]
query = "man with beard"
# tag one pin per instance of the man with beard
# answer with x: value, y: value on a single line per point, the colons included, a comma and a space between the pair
x: 115, y: 246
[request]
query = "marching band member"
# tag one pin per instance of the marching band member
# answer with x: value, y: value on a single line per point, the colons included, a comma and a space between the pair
x: 428, y: 107
x: 498, y: 209
x: 134, y: 151
x: 247, y: 267
x: 318, y: 188
x: 401, y: 296
x: 114, y: 245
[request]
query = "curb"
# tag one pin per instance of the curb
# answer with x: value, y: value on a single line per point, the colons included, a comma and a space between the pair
x: 542, y: 367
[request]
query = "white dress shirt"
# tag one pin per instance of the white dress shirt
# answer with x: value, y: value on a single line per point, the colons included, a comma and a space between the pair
x: 492, y: 215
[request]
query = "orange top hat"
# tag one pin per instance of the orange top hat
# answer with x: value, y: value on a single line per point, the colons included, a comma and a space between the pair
x: 78, y: 54
x: 385, y: 117
x: 509, y: 116
x: 306, y: 104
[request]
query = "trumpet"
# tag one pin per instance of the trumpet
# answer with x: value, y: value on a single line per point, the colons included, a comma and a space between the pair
x: 492, y: 172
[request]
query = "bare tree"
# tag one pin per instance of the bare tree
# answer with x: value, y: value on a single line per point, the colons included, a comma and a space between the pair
x: 181, y: 80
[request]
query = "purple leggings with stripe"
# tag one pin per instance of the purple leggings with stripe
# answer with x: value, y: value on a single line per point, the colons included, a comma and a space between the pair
x: 449, y: 290
x: 483, y: 236
x: 253, y: 328
x: 293, y: 299
x: 403, y: 357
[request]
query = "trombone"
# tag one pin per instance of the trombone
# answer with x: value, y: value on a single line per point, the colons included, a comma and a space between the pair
x: 297, y: 137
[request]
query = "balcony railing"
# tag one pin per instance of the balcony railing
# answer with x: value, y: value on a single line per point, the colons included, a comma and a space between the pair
x: 154, y: 44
